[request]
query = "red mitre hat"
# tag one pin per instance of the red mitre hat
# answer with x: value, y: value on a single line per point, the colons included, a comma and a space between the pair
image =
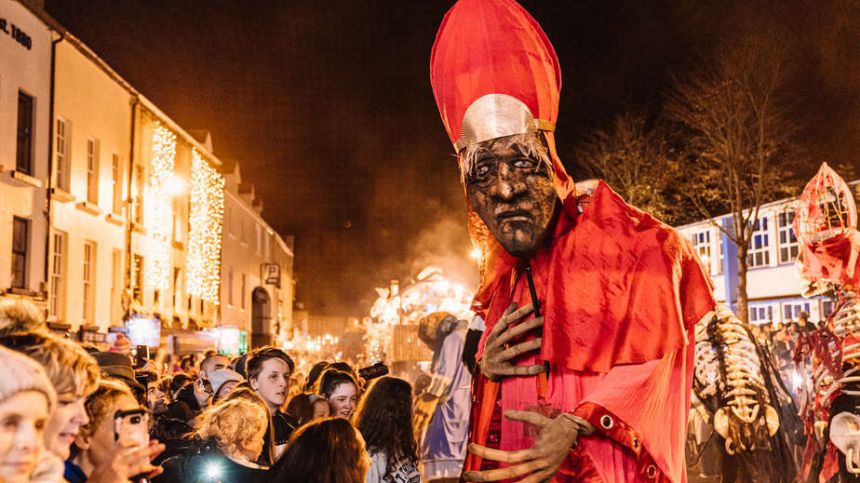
x: 494, y: 72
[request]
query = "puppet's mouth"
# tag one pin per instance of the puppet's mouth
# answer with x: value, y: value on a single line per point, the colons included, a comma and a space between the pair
x: 513, y: 216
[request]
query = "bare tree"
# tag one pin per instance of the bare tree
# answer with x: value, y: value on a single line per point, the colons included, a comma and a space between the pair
x: 738, y: 147
x: 631, y: 157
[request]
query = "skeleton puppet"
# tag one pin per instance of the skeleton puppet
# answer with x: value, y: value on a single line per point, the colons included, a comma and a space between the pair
x: 735, y: 388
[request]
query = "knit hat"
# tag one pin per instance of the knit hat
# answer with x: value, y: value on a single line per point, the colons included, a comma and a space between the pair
x: 221, y: 376
x: 122, y: 344
x: 20, y: 373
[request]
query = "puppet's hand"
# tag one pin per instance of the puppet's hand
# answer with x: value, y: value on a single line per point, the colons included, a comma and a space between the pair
x: 541, y: 461
x: 497, y: 356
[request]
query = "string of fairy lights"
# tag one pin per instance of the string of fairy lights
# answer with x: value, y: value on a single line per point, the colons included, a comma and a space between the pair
x: 206, y: 215
x: 204, y: 236
x: 158, y: 210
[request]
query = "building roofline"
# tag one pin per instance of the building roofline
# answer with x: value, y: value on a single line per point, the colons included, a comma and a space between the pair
x: 250, y: 210
x: 853, y: 184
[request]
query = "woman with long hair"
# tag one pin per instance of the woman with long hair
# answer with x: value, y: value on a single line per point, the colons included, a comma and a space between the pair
x: 384, y: 418
x: 326, y: 450
x: 340, y: 390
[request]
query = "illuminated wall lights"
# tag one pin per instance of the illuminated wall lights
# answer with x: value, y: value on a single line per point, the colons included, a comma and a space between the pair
x: 204, y: 237
x: 158, y: 210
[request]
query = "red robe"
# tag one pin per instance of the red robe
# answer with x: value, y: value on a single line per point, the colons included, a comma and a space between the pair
x: 620, y: 293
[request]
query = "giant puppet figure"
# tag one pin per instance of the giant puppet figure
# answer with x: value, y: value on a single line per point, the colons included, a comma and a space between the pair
x: 586, y: 363
x: 826, y: 224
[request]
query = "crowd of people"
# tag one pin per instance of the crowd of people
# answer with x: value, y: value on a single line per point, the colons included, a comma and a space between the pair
x: 72, y: 413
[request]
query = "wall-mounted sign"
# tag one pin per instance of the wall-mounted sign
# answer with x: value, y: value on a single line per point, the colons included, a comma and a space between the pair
x: 16, y: 33
x: 272, y: 274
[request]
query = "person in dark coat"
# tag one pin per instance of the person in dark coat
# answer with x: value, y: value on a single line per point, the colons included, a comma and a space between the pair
x: 229, y: 441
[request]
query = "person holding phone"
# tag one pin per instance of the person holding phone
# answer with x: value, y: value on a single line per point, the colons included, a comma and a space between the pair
x: 114, y: 446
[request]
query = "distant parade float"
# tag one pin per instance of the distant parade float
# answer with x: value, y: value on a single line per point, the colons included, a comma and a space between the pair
x: 392, y: 328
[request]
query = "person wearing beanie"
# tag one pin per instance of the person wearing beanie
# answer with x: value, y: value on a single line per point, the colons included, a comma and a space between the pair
x: 223, y: 381
x: 26, y: 400
x: 122, y: 345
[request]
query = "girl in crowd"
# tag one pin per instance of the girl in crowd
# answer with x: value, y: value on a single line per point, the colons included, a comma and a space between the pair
x: 341, y: 391
x: 328, y: 450
x: 384, y: 418
x: 97, y: 455
x: 74, y: 375
x: 232, y: 434
x: 306, y: 407
x: 26, y: 399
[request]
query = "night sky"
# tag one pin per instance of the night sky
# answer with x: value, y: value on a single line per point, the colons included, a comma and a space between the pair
x: 328, y: 108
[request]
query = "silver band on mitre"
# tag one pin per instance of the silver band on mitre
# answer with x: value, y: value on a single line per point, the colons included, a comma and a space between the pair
x: 496, y: 116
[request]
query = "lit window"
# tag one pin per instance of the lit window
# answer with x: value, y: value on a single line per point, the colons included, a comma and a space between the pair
x: 702, y: 243
x: 62, y: 154
x: 791, y: 311
x: 92, y: 171
x: 116, y: 182
x: 89, y: 274
x: 759, y: 247
x: 58, y: 268
x: 761, y: 313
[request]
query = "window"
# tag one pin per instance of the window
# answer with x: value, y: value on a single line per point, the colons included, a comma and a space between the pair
x: 116, y: 184
x: 58, y: 268
x: 761, y: 314
x: 788, y: 246
x: 244, y: 281
x: 259, y: 249
x: 116, y: 285
x: 137, y: 277
x: 176, y: 274
x: 92, y: 171
x: 138, y: 183
x: 89, y: 274
x: 62, y: 154
x: 759, y: 248
x: 20, y: 245
x: 229, y: 285
x: 24, y: 153
x: 720, y: 254
x: 791, y: 311
x: 826, y: 308
x: 702, y: 244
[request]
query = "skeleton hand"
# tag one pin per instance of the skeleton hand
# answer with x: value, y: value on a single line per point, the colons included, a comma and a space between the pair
x: 496, y: 361
x: 541, y: 461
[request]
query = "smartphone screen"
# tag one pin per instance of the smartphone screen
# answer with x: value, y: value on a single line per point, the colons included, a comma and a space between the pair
x: 131, y: 428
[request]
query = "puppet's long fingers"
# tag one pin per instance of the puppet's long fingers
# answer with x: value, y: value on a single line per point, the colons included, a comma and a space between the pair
x: 503, y: 473
x: 539, y: 477
x: 520, y: 348
x: 530, y: 417
x: 512, y: 370
x: 499, y: 455
x: 520, y: 329
x: 502, y: 323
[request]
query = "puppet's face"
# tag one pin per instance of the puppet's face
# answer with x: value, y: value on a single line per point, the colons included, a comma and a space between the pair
x: 509, y: 184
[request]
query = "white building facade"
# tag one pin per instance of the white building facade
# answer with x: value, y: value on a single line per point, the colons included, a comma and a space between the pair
x: 26, y: 42
x: 257, y: 291
x: 774, y: 286
x: 93, y: 116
